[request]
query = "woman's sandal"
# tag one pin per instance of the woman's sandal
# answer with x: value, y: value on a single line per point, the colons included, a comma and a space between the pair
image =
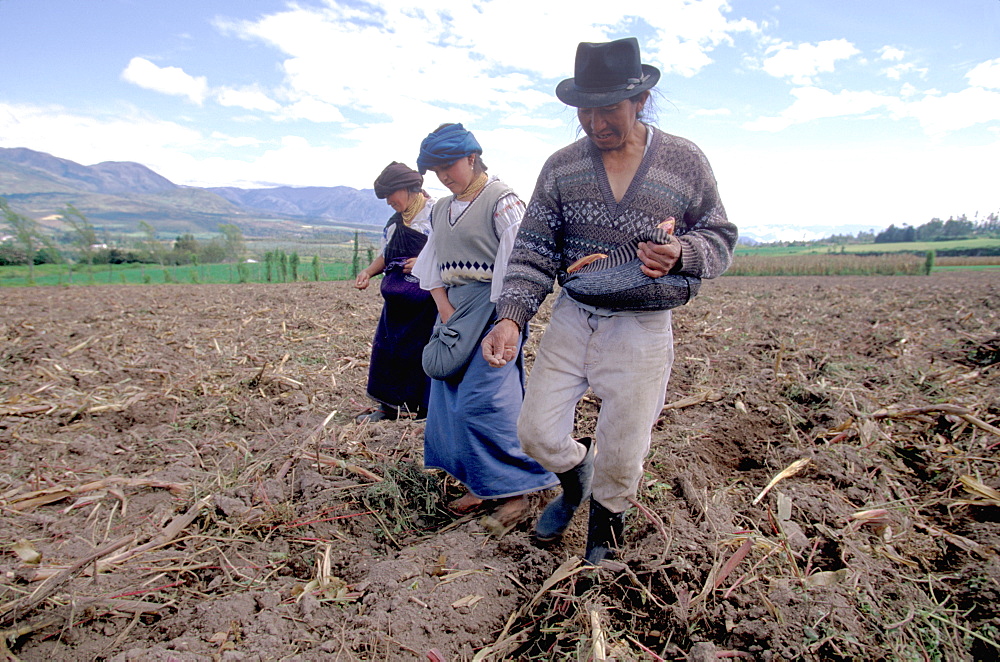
x: 465, y: 504
x: 509, y: 514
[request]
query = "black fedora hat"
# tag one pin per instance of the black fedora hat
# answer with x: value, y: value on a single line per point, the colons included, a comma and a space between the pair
x: 606, y: 73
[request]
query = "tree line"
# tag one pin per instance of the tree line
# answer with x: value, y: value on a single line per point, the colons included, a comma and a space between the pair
x: 938, y: 230
x: 30, y: 245
x: 933, y: 230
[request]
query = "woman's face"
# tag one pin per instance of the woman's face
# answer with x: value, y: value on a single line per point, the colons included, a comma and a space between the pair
x: 399, y: 199
x: 458, y: 175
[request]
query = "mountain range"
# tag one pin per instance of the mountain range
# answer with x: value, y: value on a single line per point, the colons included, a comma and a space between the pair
x: 118, y: 195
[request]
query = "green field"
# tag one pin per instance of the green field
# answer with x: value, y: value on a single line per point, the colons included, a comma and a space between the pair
x: 336, y: 264
x: 133, y: 274
x: 901, y: 247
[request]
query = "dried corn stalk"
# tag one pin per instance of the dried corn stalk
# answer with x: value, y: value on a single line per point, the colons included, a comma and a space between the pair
x: 792, y: 469
x: 979, y: 489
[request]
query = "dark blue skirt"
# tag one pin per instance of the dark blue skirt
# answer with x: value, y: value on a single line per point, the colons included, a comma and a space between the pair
x: 395, y: 375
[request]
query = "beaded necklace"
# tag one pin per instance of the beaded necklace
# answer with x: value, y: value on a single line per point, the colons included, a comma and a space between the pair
x: 413, y: 208
x: 475, y: 186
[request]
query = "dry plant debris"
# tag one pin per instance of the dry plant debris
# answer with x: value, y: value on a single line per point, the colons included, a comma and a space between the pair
x: 181, y: 479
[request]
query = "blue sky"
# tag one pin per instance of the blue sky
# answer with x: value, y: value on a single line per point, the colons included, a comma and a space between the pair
x: 814, y: 115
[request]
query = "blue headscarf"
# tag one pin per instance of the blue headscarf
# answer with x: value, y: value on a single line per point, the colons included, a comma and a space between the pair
x: 445, y: 146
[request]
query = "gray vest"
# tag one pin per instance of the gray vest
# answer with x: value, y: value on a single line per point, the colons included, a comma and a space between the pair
x: 466, y: 246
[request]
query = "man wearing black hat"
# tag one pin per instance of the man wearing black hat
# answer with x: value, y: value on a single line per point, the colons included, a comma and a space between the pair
x: 629, y: 220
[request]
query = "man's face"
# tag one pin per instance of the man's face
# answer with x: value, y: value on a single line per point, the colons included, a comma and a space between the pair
x: 609, y: 126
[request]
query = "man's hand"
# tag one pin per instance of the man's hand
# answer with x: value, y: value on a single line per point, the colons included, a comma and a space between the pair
x: 361, y: 282
x: 500, y: 344
x: 658, y: 259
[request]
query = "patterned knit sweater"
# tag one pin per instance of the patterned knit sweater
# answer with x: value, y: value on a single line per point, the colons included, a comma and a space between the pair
x: 573, y: 213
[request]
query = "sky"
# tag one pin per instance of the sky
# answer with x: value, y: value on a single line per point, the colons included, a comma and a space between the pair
x: 814, y: 114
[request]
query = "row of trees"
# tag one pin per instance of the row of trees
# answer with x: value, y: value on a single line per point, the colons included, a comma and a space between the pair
x: 186, y: 249
x: 938, y: 230
x: 27, y: 235
x: 31, y: 246
x: 933, y: 230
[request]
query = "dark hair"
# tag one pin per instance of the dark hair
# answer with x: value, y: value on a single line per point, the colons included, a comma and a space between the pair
x: 650, y: 109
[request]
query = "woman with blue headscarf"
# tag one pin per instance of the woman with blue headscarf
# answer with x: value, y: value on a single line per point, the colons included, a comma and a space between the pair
x: 471, y: 430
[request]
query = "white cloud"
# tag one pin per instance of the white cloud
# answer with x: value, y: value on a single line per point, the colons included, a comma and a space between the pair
x: 689, y: 32
x: 251, y: 98
x: 123, y: 134
x: 939, y: 115
x: 842, y: 186
x: 478, y: 55
x: 899, y: 69
x: 712, y: 112
x: 897, y: 72
x: 516, y: 155
x: 800, y: 63
x: 525, y: 120
x: 891, y: 53
x: 368, y: 70
x: 813, y: 103
x: 168, y: 80
x: 311, y: 109
x: 985, y: 74
x: 235, y: 141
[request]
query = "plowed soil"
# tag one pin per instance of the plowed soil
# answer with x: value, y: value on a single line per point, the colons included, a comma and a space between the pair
x: 181, y: 478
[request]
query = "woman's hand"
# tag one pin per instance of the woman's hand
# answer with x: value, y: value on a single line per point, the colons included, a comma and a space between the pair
x: 408, y: 265
x: 500, y: 344
x: 658, y: 259
x: 445, y: 309
x: 375, y: 268
x: 446, y: 312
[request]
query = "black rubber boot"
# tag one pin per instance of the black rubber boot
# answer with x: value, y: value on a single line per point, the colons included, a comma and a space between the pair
x: 576, y: 488
x: 605, y: 532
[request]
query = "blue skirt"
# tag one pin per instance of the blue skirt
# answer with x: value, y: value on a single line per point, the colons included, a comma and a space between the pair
x: 471, y: 431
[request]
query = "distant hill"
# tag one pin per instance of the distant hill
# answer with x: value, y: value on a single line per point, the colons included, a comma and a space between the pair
x: 333, y: 203
x: 110, y: 177
x: 772, y: 233
x: 117, y: 196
